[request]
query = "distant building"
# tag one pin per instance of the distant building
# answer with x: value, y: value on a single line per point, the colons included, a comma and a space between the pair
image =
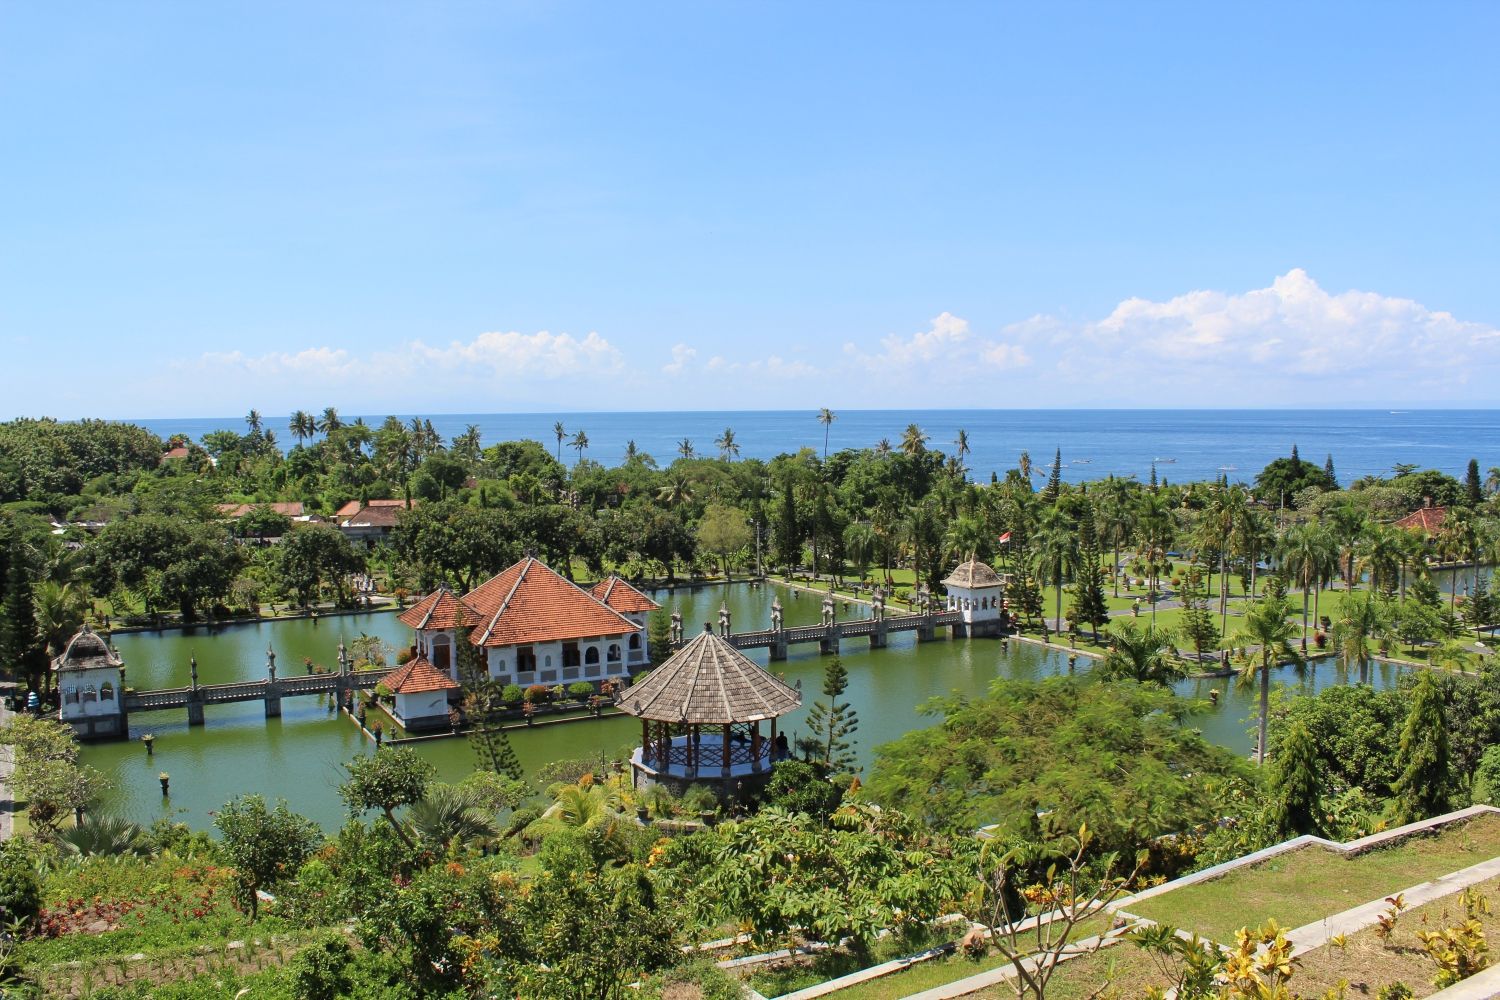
x: 534, y: 627
x: 353, y: 506
x: 371, y: 522
x: 294, y: 509
x: 1426, y: 519
x: 91, y: 686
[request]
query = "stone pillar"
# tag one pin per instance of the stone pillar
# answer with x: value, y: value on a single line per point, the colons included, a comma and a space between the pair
x: 120, y: 705
x: 755, y: 745
x: 778, y: 647
x: 273, y: 689
x: 877, y: 637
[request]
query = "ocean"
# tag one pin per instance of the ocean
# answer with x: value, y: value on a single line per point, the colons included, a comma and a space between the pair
x: 1186, y: 445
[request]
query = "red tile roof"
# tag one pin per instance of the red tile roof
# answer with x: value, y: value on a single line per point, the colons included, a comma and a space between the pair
x: 372, y: 517
x: 529, y: 603
x: 177, y: 452
x: 622, y: 596
x: 1428, y: 519
x: 352, y: 507
x: 417, y: 676
x: 439, y: 609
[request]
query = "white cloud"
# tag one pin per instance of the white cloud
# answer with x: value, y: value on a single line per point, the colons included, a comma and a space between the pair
x: 682, y: 356
x: 318, y: 361
x: 541, y: 354
x: 948, y: 350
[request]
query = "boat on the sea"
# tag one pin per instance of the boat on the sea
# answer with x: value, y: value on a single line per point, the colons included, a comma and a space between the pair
x: 1165, y: 461
x: 1229, y: 468
x: 1081, y: 461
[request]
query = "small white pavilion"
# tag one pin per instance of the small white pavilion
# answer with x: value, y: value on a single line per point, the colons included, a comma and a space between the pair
x: 976, y: 592
x: 91, y: 687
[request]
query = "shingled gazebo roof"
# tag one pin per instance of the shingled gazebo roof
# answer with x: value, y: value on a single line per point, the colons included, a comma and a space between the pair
x: 972, y: 575
x: 87, y: 650
x: 709, y: 681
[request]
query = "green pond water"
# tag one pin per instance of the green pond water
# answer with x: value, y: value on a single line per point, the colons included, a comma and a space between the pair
x: 297, y: 756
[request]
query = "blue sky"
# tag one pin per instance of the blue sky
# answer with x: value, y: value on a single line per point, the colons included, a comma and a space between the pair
x: 491, y: 207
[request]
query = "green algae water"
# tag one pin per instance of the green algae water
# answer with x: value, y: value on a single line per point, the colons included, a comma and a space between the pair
x: 297, y: 757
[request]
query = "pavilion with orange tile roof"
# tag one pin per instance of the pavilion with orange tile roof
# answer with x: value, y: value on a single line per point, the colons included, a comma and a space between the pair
x: 535, y: 627
x: 1426, y: 519
x: 421, y: 692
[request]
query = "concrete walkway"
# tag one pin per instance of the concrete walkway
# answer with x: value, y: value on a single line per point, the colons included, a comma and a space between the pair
x: 7, y: 768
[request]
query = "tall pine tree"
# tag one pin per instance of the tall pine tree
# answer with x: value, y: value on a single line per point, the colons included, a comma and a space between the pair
x: 482, y: 705
x: 832, y: 723
x: 1297, y: 785
x: 1089, y: 605
x: 1053, y: 489
x: 21, y: 650
x: 1425, y: 783
x: 1473, y: 488
x: 1197, y: 621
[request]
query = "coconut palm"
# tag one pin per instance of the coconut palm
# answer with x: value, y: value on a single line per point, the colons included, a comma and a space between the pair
x: 1143, y: 655
x: 102, y: 836
x: 1116, y: 519
x: 883, y: 448
x: 675, y: 491
x: 252, y: 420
x: 1054, y: 553
x: 728, y: 447
x: 302, y: 425
x: 965, y: 538
x: 448, y: 815
x: 559, y: 432
x: 1154, y: 533
x: 1252, y: 540
x: 588, y: 807
x: 1266, y: 626
x: 330, y: 421
x: 1360, y: 621
x: 861, y: 543
x: 913, y: 441
x: 961, y: 447
x: 1309, y: 555
x: 59, y: 610
x: 685, y: 448
x: 826, y: 417
x: 1024, y: 465
x: 466, y: 445
x: 1380, y: 556
x: 1492, y: 481
x: 580, y: 443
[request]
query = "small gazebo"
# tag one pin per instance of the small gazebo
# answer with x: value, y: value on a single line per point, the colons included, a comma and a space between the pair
x: 700, y: 715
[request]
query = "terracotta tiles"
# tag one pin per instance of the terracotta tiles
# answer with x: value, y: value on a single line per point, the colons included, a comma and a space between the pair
x: 416, y: 676
x: 622, y: 596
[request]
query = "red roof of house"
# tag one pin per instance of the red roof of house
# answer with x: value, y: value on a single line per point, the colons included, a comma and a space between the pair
x: 622, y: 596
x: 529, y: 603
x: 439, y: 609
x: 290, y: 508
x: 352, y: 507
x: 417, y: 676
x: 372, y: 517
x: 177, y: 452
x: 1428, y: 519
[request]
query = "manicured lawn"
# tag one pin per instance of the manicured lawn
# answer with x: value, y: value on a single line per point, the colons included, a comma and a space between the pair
x: 1129, y: 972
x: 1311, y: 884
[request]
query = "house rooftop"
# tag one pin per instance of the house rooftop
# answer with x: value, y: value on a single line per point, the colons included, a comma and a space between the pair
x: 417, y: 676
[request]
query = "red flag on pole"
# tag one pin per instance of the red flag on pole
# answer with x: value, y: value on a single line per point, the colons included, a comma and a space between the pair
x: 1005, y: 538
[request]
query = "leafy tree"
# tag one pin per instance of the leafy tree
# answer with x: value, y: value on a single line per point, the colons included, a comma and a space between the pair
x: 456, y: 542
x: 1487, y: 777
x: 831, y: 723
x: 1023, y: 597
x: 315, y: 555
x: 1424, y: 786
x: 20, y: 884
x: 1480, y: 610
x: 48, y: 777
x: 165, y: 560
x: 1350, y: 727
x: 1198, y: 625
x: 1284, y: 478
x: 386, y: 780
x: 1035, y: 757
x: 724, y: 532
x: 21, y: 644
x: 1296, y: 785
x: 800, y: 787
x: 263, y: 845
x: 782, y: 874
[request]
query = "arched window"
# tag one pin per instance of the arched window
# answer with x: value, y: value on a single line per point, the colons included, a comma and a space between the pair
x: 107, y: 692
x: 548, y: 661
x: 89, y: 694
x: 591, y: 655
x: 442, y: 652
x: 613, y: 655
x: 70, y: 696
x: 635, y: 640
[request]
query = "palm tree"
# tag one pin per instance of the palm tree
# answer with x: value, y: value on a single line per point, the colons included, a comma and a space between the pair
x: 685, y: 448
x: 883, y: 448
x: 631, y: 451
x: 1459, y: 541
x: 861, y: 543
x: 1054, y: 551
x: 726, y: 444
x: 826, y: 417
x: 1116, y: 525
x: 965, y: 538
x: 466, y: 445
x: 913, y: 441
x: 59, y: 609
x: 1308, y: 554
x: 102, y: 836
x: 1267, y: 627
x: 1024, y: 464
x: 302, y: 425
x: 1360, y: 620
x: 579, y: 443
x: 1252, y: 540
x: 559, y: 432
x: 1380, y: 556
x: 675, y: 491
x: 593, y: 808
x: 330, y: 421
x: 1492, y: 480
x: 1155, y: 529
x: 961, y: 447
x: 448, y: 815
x: 252, y: 420
x: 1143, y: 655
